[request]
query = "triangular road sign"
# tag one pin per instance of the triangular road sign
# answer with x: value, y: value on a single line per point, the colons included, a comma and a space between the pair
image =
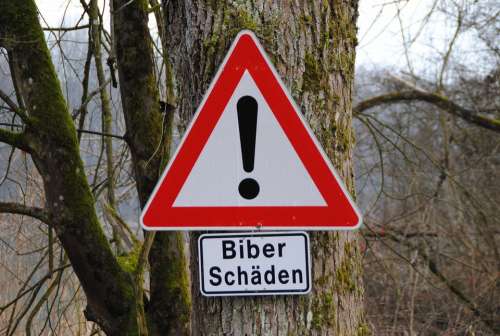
x: 248, y: 159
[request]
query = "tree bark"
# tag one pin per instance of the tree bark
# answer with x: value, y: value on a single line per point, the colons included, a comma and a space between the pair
x: 312, y: 45
x: 149, y: 136
x: 113, y: 286
x: 50, y: 137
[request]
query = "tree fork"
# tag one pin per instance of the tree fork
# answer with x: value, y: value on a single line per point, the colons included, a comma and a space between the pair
x: 69, y: 200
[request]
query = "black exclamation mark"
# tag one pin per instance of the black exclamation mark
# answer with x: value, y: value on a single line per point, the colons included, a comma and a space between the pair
x: 247, y: 123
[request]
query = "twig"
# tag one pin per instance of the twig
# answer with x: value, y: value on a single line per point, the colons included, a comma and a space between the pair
x: 66, y: 29
x: 121, y: 137
x: 20, y: 112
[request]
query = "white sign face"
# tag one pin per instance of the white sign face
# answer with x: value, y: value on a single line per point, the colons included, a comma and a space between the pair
x: 281, y: 176
x: 264, y: 263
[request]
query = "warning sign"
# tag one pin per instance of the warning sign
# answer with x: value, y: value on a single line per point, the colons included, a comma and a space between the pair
x: 248, y: 160
x: 268, y: 263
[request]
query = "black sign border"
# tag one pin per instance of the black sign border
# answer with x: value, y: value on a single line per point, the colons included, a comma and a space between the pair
x: 260, y: 292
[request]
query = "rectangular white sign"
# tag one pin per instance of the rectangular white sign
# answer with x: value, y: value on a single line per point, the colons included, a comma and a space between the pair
x: 263, y: 263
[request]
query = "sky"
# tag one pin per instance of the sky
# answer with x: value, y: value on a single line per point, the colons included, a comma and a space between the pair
x: 379, y: 30
x: 379, y: 35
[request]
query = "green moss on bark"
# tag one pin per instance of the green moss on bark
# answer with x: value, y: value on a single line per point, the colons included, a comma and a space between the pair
x: 324, y: 311
x: 363, y: 330
x: 345, y: 277
x: 170, y: 306
x: 128, y: 262
x: 312, y: 74
x: 56, y: 155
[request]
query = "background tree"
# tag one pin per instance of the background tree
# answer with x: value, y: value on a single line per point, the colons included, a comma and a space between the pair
x: 113, y: 284
x: 427, y: 160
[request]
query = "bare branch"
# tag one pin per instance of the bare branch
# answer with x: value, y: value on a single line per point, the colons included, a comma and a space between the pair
x: 139, y: 279
x: 121, y: 137
x: 440, y: 101
x: 493, y: 325
x: 14, y: 139
x: 144, y: 254
x: 66, y: 29
x: 5, y: 97
x: 446, y: 57
x: 21, y: 209
x: 114, y: 218
x: 91, y: 95
x: 101, y: 134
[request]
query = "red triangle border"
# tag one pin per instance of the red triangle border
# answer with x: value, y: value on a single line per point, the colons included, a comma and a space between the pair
x: 340, y: 213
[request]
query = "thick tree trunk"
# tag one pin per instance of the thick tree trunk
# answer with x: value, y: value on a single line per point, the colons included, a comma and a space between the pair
x: 50, y: 137
x: 312, y: 44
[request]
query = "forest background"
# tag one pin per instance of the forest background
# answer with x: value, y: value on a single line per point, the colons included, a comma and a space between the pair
x: 426, y: 121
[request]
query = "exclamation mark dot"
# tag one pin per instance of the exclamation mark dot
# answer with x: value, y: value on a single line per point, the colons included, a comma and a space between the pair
x: 247, y: 124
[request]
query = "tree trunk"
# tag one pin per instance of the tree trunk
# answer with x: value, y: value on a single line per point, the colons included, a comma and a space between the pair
x: 50, y: 137
x: 149, y: 134
x: 312, y: 45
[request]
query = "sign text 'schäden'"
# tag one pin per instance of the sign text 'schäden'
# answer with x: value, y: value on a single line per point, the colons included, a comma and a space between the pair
x: 254, y: 264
